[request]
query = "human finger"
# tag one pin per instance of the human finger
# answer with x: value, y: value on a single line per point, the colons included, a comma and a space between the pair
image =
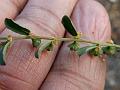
x: 22, y: 70
x: 71, y: 72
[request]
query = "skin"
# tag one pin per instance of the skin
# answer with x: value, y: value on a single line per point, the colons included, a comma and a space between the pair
x: 69, y: 72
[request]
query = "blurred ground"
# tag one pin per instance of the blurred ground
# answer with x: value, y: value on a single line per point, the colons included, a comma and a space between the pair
x: 113, y: 75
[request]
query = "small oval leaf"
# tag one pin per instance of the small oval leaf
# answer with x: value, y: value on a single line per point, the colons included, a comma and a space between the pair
x: 85, y: 49
x: 5, y: 49
x: 109, y: 50
x: 36, y: 42
x: 2, y: 62
x: 67, y: 23
x: 10, y: 24
x: 44, y: 46
x: 2, y: 45
x: 74, y: 46
x: 96, y: 51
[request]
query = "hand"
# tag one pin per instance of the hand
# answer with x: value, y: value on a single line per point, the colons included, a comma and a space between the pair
x: 69, y: 72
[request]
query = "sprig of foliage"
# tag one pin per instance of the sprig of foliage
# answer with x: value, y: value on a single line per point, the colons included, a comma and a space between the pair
x: 47, y: 43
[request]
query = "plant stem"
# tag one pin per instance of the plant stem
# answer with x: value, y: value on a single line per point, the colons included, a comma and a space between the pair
x: 14, y: 38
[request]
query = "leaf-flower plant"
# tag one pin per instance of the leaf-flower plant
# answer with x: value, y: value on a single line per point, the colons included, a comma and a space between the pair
x: 47, y: 43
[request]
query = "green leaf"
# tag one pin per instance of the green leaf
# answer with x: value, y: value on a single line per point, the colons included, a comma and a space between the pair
x: 85, y: 49
x: 10, y: 24
x: 3, y: 50
x: 36, y: 42
x: 2, y: 62
x: 74, y: 46
x: 109, y: 50
x: 96, y: 51
x: 67, y: 23
x: 44, y: 46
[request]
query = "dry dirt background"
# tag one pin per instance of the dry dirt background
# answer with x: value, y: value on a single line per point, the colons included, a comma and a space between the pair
x: 113, y: 75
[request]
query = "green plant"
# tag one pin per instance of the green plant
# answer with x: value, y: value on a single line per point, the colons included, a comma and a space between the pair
x: 47, y: 43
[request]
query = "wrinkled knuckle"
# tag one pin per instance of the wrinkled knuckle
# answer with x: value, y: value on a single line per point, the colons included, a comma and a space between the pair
x: 44, y: 20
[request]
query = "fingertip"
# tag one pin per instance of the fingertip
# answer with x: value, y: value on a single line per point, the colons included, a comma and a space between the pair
x: 93, y: 20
